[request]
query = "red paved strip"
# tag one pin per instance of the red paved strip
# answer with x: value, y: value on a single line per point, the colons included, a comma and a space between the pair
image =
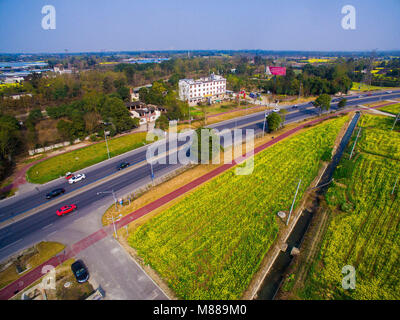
x: 9, y: 291
x: 172, y: 195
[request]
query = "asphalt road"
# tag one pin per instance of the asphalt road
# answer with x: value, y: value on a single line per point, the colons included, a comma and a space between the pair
x: 21, y: 233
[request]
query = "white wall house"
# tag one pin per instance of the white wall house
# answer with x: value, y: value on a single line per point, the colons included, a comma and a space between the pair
x: 145, y: 115
x: 194, y: 91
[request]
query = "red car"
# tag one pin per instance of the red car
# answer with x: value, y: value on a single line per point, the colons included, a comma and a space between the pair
x: 69, y: 175
x: 66, y: 209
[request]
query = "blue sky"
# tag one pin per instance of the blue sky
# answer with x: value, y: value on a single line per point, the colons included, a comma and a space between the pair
x: 119, y: 25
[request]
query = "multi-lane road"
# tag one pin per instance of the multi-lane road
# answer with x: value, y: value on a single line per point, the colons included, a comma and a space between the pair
x: 24, y: 218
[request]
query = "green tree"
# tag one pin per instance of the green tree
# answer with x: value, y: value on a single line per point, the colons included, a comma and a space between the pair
x: 63, y: 128
x: 162, y: 122
x: 35, y: 115
x: 274, y: 121
x: 124, y: 93
x: 342, y: 103
x: 323, y: 102
x: 9, y: 137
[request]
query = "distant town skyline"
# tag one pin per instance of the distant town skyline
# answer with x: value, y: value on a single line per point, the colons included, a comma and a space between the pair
x: 122, y: 25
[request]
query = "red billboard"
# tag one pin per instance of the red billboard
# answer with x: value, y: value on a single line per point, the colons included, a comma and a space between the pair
x: 277, y: 71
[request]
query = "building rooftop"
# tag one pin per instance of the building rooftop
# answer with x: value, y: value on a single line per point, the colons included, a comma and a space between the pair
x: 212, y: 77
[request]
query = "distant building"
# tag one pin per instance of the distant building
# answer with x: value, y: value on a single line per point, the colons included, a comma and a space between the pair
x: 145, y: 113
x: 12, y: 79
x: 59, y: 68
x: 194, y: 91
x: 134, y: 95
x: 19, y: 95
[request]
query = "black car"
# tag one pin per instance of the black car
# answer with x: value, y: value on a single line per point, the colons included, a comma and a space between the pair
x: 54, y: 193
x: 80, y: 271
x: 123, y: 165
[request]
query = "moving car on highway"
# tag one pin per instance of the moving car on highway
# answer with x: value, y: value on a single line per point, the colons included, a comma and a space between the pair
x: 276, y: 110
x: 55, y: 193
x: 80, y: 271
x: 66, y: 209
x: 123, y: 165
x: 77, y: 178
x: 69, y: 175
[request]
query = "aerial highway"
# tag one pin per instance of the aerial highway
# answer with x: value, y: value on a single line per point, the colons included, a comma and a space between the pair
x: 24, y: 217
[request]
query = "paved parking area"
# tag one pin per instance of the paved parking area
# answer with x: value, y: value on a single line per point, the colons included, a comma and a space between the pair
x: 121, y: 278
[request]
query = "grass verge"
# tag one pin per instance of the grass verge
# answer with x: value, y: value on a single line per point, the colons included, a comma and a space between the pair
x: 72, y: 161
x: 28, y: 259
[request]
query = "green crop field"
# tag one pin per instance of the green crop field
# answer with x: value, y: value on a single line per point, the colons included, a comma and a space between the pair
x: 72, y: 161
x: 393, y: 109
x: 364, y: 87
x: 210, y: 244
x: 378, y: 122
x: 364, y: 229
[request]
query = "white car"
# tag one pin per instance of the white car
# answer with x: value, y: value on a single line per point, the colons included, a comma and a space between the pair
x: 77, y: 178
x: 389, y: 91
x: 276, y: 110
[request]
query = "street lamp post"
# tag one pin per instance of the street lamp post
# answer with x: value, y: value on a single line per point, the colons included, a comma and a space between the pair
x: 116, y: 208
x: 105, y: 137
x: 189, y: 116
x: 152, y: 173
x: 265, y: 118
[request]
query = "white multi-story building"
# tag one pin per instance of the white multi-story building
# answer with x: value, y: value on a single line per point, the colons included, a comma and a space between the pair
x: 194, y: 91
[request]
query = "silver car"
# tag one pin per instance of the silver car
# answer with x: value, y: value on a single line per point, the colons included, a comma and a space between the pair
x: 76, y: 178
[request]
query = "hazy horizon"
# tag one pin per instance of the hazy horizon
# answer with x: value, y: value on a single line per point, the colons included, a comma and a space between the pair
x: 123, y: 26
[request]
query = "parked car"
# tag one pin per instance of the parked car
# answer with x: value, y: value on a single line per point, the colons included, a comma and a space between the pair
x: 123, y: 165
x: 69, y: 175
x: 66, y: 209
x: 80, y: 271
x: 77, y: 178
x: 55, y: 193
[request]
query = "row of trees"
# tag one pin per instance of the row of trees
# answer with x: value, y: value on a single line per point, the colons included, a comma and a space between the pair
x: 90, y: 116
x: 10, y: 142
x: 322, y: 103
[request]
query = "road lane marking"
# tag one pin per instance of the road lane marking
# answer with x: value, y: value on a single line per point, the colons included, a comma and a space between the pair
x: 19, y: 240
x: 45, y: 227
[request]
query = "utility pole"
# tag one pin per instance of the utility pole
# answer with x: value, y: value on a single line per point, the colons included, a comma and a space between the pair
x: 301, y: 84
x: 105, y: 137
x: 152, y: 173
x: 265, y: 119
x: 395, y: 120
x: 394, y: 187
x: 355, y: 141
x: 294, y: 199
